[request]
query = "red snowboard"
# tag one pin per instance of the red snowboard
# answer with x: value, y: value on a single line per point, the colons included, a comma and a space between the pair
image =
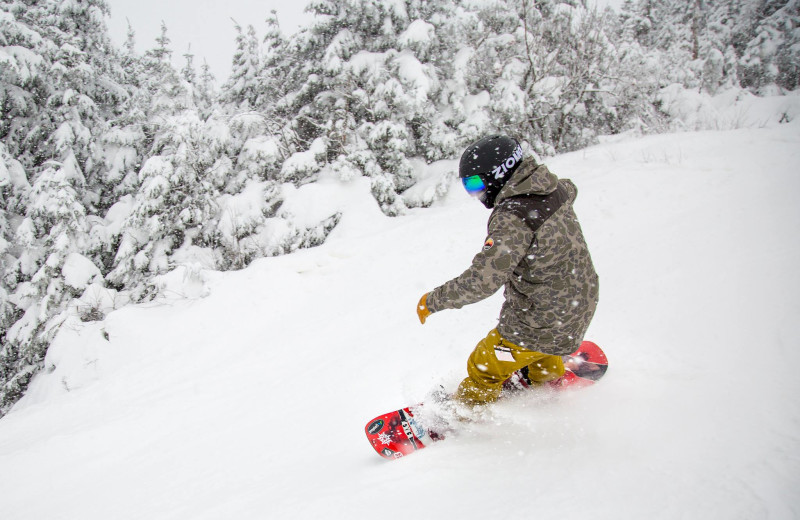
x: 399, y: 433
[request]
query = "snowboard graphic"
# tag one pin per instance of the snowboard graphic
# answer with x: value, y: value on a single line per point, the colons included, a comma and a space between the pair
x: 400, y: 433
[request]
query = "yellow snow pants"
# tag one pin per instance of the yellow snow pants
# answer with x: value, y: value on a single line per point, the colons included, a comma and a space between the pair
x: 494, y: 360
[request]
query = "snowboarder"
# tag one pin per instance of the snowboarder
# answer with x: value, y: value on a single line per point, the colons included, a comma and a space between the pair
x: 535, y: 248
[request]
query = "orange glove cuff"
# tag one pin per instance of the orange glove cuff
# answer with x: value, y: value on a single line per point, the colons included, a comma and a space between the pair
x: 422, y: 308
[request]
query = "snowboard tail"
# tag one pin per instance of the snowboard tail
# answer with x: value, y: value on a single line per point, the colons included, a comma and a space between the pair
x: 582, y: 368
x: 399, y: 433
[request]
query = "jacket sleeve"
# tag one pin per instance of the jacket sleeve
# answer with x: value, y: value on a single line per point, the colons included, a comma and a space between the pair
x: 508, y: 241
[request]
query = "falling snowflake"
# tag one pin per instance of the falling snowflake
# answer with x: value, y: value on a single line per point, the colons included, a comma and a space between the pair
x: 384, y: 438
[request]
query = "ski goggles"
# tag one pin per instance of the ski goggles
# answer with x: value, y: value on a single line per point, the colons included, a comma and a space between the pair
x: 474, y: 184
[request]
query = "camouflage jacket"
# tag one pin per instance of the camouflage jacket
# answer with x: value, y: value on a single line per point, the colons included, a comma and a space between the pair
x: 534, y: 247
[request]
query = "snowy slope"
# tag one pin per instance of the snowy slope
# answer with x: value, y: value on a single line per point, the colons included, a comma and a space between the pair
x: 249, y: 400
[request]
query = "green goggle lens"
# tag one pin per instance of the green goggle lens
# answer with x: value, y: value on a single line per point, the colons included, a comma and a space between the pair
x: 474, y: 184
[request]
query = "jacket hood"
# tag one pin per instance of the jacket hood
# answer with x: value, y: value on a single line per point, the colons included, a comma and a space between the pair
x: 529, y: 179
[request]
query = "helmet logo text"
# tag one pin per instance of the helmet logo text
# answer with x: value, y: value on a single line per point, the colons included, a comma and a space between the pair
x: 500, y: 171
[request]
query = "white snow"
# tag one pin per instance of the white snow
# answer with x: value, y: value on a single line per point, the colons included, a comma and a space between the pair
x: 304, y: 161
x: 432, y: 181
x: 733, y: 108
x: 415, y: 75
x: 116, y: 214
x: 365, y: 62
x: 23, y: 61
x: 260, y: 149
x: 79, y: 271
x: 418, y: 31
x: 312, y: 203
x: 250, y: 402
x: 5, y: 176
x: 241, y: 211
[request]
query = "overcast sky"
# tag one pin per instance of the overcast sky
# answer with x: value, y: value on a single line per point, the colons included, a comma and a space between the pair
x: 206, y: 25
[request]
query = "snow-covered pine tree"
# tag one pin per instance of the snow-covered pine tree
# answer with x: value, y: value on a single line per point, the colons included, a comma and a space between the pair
x: 772, y: 56
x: 709, y: 44
x: 45, y: 278
x: 242, y: 88
x: 174, y: 195
x: 63, y: 71
x: 62, y: 83
x: 122, y: 145
x: 271, y: 77
x: 635, y: 107
x: 364, y: 95
x: 14, y: 190
x: 205, y: 92
x: 188, y: 72
x: 549, y: 69
x: 86, y: 69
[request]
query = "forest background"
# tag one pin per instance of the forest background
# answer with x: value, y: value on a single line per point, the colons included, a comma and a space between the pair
x: 117, y: 167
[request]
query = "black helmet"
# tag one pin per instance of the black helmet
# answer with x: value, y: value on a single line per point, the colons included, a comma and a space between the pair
x: 487, y: 164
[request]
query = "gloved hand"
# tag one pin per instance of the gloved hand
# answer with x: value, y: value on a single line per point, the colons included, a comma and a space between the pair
x: 422, y: 309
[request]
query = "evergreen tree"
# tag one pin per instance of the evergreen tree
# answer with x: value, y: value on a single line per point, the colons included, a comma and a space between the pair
x: 62, y: 84
x: 273, y: 71
x: 172, y: 194
x: 188, y: 72
x: 242, y: 88
x: 205, y: 91
x: 772, y: 56
x: 54, y: 227
x: 549, y: 69
x: 366, y: 91
x: 719, y: 43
